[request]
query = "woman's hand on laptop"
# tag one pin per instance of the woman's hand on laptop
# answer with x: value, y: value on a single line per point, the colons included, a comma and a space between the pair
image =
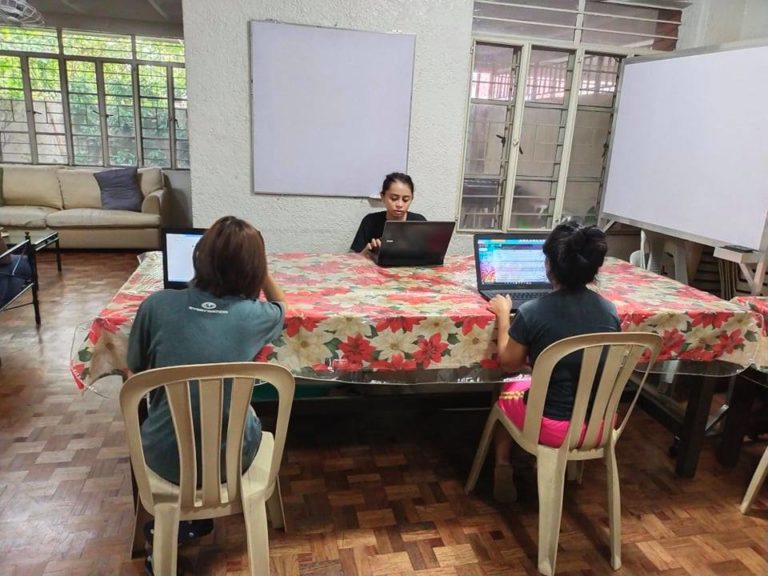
x: 500, y: 305
x: 373, y: 245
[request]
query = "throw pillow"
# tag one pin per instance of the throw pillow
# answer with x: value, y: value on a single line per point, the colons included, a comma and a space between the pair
x: 119, y: 189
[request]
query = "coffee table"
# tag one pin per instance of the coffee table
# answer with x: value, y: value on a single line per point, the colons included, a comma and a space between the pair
x: 39, y: 239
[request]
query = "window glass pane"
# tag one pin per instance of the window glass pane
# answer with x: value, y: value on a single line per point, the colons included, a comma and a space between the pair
x: 180, y: 115
x: 494, y: 72
x: 48, y: 110
x: 555, y: 19
x: 92, y: 44
x: 638, y: 26
x: 481, y: 204
x: 494, y: 82
x: 547, y: 76
x: 84, y: 112
x: 541, y: 142
x: 484, y: 139
x: 598, y: 80
x: 14, y: 138
x: 29, y: 39
x: 121, y: 126
x: 581, y: 201
x: 160, y: 49
x: 590, y: 138
x: 153, y: 89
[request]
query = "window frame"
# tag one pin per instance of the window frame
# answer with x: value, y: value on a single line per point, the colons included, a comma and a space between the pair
x: 98, y: 62
x: 526, y: 46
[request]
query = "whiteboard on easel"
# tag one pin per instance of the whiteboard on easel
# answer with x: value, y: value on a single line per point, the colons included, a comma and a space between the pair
x: 689, y: 151
x: 330, y: 108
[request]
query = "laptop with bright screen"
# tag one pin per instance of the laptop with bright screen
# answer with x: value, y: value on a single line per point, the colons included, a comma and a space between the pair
x: 413, y: 243
x: 178, y: 249
x: 511, y: 264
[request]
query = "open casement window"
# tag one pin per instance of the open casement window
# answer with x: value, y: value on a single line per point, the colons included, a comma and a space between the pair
x: 541, y: 101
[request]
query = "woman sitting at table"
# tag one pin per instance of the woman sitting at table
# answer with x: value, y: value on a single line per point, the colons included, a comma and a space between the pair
x: 15, y: 274
x: 396, y: 194
x: 218, y: 318
x: 573, y: 257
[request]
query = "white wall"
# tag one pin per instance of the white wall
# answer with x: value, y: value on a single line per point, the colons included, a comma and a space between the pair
x: 712, y: 22
x: 219, y: 100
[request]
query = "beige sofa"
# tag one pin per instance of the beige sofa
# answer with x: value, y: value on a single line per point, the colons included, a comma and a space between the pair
x: 68, y: 200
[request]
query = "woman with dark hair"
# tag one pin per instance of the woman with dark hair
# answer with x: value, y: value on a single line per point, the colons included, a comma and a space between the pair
x: 573, y: 257
x: 397, y: 194
x: 218, y: 318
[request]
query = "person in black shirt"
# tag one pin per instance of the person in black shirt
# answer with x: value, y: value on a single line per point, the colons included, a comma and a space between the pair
x: 573, y: 257
x: 397, y: 195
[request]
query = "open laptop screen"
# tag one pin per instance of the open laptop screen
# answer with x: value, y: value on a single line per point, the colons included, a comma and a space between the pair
x: 513, y: 261
x: 178, y: 250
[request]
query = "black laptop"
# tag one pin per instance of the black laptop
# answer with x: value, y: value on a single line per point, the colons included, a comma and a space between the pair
x: 413, y: 243
x: 511, y: 264
x: 178, y: 247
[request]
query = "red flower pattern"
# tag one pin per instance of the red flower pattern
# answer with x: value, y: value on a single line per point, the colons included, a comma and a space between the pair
x: 430, y: 350
x: 398, y: 299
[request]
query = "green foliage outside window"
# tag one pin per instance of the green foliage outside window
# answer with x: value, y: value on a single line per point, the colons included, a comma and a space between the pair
x: 84, y: 53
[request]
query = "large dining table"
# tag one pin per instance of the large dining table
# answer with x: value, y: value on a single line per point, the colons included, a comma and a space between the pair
x: 746, y: 386
x: 351, y: 320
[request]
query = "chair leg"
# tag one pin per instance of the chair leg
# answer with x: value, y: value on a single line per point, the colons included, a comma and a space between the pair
x: 275, y: 509
x: 550, y: 472
x: 166, y: 537
x: 482, y: 451
x: 574, y: 470
x: 614, y: 505
x: 756, y: 483
x: 255, y: 514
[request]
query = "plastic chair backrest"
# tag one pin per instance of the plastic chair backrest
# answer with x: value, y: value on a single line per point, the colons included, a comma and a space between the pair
x: 623, y: 351
x: 211, y: 378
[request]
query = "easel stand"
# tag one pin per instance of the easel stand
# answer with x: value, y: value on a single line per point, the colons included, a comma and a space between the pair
x: 752, y: 265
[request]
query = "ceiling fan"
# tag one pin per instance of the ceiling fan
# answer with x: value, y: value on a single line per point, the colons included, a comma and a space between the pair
x: 19, y: 12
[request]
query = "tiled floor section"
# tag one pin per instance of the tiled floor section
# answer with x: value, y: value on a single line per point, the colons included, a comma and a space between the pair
x: 367, y: 492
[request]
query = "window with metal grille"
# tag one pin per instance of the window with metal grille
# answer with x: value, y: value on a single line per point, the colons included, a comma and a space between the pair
x: 542, y: 97
x: 84, y: 98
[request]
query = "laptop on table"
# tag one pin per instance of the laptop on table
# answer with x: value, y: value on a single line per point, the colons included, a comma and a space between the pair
x: 178, y: 246
x: 511, y: 264
x: 413, y: 243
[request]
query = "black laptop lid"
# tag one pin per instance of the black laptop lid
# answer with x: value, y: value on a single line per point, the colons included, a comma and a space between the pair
x: 507, y: 262
x: 414, y: 243
x: 178, y: 249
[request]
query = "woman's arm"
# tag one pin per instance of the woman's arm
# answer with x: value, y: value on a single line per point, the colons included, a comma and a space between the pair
x: 273, y: 292
x: 512, y: 354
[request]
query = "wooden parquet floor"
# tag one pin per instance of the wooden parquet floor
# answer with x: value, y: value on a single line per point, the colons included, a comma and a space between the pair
x: 368, y: 493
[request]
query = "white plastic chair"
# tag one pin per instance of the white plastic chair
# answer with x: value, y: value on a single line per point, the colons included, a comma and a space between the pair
x: 249, y: 492
x: 622, y: 353
x: 756, y: 483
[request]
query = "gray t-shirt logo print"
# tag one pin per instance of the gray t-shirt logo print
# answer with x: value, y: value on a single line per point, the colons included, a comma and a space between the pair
x: 208, y: 305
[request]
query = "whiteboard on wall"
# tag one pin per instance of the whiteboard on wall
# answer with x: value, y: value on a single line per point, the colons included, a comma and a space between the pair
x: 330, y: 108
x: 689, y: 154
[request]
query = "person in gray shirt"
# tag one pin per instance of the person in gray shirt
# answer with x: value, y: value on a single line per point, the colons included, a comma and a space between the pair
x: 573, y: 258
x: 218, y: 318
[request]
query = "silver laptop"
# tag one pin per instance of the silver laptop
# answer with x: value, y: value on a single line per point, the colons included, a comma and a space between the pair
x: 511, y: 264
x: 178, y: 248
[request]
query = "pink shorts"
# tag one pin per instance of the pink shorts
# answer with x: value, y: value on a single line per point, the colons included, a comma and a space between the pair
x: 553, y: 432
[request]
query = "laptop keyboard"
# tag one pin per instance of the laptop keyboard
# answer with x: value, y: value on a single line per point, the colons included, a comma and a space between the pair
x: 519, y: 296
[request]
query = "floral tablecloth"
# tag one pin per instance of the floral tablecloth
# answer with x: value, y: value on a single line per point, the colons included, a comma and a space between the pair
x: 759, y: 305
x: 347, y: 314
